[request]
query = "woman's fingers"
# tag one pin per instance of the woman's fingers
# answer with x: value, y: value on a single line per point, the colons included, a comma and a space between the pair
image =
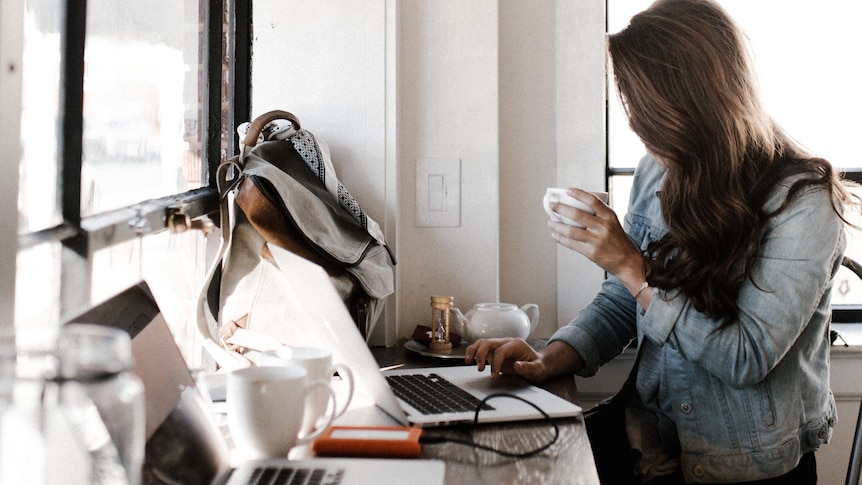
x: 531, y: 370
x: 502, y: 354
x: 595, y: 210
x: 481, y: 350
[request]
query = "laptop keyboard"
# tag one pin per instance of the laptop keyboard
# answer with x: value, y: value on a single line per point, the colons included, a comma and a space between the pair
x: 432, y: 394
x: 295, y: 476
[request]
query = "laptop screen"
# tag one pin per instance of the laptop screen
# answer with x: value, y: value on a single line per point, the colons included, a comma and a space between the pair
x: 183, y: 444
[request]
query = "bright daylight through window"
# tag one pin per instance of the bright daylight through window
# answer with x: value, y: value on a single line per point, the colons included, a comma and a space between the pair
x: 142, y: 137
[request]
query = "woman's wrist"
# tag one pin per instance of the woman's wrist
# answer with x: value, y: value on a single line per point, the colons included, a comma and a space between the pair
x: 561, y: 358
x: 633, y: 276
x: 642, y: 288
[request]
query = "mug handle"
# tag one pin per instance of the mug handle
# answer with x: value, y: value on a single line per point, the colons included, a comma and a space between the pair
x: 346, y: 374
x: 330, y: 416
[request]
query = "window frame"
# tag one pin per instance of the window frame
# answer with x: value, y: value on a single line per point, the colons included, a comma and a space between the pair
x: 226, y: 23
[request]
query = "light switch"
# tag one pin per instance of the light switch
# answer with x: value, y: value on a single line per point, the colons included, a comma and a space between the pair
x: 438, y: 192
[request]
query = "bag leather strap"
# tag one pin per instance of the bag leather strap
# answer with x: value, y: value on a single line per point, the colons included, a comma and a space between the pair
x: 206, y: 321
x: 257, y: 125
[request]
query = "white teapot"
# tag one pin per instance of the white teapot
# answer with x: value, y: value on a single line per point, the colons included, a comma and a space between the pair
x: 491, y: 320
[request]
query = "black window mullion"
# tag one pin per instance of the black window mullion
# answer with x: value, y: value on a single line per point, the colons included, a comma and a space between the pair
x: 239, y: 70
x: 71, y: 111
x: 214, y: 48
x: 75, y: 275
x: 854, y: 174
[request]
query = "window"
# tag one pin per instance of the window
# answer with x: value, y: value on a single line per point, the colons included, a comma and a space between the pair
x: 806, y: 65
x: 124, y: 109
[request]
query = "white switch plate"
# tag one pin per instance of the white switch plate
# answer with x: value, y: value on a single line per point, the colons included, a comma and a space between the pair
x: 438, y: 192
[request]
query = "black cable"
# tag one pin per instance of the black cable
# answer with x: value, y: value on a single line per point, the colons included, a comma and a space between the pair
x: 431, y: 440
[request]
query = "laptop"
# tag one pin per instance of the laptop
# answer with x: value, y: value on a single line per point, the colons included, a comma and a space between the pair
x: 183, y: 442
x: 319, y: 318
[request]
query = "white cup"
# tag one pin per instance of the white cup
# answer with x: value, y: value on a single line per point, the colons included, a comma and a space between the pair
x: 317, y: 361
x: 558, y: 195
x: 265, y: 408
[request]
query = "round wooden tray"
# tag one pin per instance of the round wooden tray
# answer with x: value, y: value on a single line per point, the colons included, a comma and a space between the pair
x: 420, y: 348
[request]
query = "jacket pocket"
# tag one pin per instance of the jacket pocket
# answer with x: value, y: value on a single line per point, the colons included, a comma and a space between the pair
x: 767, y: 405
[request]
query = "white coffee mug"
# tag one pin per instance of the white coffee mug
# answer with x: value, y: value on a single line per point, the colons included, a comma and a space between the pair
x: 265, y: 409
x: 558, y: 195
x: 317, y: 361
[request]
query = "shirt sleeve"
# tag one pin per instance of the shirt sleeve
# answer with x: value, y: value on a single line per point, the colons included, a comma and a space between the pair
x: 608, y: 324
x: 603, y: 328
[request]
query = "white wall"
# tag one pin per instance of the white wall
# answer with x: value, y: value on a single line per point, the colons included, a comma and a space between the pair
x: 514, y: 90
x: 553, y: 117
x: 11, y: 35
x: 324, y: 62
x: 448, y: 108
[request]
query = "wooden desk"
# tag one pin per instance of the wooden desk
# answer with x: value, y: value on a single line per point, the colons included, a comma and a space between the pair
x: 568, y: 461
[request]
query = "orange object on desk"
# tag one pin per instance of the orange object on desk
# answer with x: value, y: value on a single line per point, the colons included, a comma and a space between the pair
x: 371, y: 441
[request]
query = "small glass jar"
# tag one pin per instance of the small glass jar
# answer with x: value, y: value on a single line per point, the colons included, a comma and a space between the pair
x: 441, y: 309
x: 71, y: 413
x: 26, y: 419
x: 96, y: 379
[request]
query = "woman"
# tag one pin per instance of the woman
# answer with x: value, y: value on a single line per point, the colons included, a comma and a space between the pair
x: 723, y: 271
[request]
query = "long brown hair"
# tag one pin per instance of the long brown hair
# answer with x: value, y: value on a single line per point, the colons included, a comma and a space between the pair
x: 686, y: 82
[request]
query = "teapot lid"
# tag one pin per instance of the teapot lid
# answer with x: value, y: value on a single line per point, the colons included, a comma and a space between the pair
x: 496, y: 306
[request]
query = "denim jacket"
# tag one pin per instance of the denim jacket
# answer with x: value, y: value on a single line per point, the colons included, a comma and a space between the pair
x: 749, y: 399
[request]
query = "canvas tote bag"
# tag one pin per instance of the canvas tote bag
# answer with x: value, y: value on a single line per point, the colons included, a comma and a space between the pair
x: 282, y: 189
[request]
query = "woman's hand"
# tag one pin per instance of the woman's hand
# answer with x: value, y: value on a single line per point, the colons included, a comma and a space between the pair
x: 515, y: 356
x: 602, y: 239
x: 508, y: 356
